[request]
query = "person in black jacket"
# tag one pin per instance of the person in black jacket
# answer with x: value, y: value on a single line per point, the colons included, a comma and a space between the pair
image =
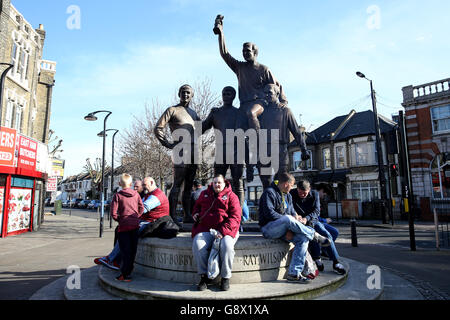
x: 307, y: 205
x: 278, y: 220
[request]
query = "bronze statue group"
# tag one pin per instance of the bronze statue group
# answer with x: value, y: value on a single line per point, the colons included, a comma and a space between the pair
x: 290, y: 215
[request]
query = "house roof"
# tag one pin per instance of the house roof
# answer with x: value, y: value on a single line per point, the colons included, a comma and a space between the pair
x: 358, y: 124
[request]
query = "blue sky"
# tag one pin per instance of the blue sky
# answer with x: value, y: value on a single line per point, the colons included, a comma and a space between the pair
x: 128, y: 53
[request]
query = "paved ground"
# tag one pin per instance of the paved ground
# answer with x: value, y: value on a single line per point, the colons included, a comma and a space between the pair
x: 34, y: 260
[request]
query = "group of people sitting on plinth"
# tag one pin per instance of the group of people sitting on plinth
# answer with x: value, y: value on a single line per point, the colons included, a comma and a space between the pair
x: 286, y: 214
x: 289, y: 215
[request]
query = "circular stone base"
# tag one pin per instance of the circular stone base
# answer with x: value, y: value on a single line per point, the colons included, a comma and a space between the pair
x: 143, y: 288
x: 256, y: 259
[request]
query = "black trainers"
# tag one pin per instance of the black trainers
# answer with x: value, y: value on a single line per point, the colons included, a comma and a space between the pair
x: 225, y: 284
x: 203, y: 285
x: 339, y: 269
x: 319, y: 265
x: 298, y: 279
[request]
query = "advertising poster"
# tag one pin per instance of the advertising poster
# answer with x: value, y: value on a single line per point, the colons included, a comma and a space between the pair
x: 19, y: 209
x: 7, y: 146
x: 57, y: 167
x: 27, y: 154
x: 52, y: 184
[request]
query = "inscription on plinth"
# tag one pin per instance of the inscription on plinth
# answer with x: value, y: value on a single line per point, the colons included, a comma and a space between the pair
x: 256, y: 259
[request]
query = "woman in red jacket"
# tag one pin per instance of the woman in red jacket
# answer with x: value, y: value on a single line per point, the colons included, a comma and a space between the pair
x: 217, y: 208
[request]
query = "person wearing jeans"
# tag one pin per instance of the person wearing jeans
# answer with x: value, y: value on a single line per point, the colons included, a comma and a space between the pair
x: 307, y: 204
x: 278, y: 220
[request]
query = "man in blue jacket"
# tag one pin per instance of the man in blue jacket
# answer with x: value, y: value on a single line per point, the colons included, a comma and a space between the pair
x: 307, y: 205
x: 278, y: 220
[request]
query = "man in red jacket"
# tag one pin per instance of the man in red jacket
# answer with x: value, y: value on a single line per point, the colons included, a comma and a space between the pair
x: 126, y: 208
x: 217, y: 208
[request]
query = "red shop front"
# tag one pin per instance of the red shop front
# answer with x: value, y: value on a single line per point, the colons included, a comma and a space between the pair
x: 21, y: 182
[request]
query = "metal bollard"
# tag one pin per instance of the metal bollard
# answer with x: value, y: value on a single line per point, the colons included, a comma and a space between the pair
x: 353, y: 230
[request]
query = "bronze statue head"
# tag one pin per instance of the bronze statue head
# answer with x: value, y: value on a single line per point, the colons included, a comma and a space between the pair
x: 186, y: 93
x: 272, y: 93
x: 250, y: 52
x: 228, y: 95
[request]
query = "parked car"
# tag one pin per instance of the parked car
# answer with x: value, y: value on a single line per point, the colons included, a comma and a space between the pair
x: 47, y: 202
x: 66, y: 204
x: 93, y: 204
x: 83, y: 204
x: 77, y: 203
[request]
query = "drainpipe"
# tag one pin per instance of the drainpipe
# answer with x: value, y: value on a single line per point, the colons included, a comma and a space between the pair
x: 47, y: 110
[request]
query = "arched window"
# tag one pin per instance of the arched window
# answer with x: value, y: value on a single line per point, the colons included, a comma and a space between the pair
x: 440, y: 177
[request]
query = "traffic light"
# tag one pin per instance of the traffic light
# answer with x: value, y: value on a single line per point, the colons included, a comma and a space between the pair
x: 394, y: 170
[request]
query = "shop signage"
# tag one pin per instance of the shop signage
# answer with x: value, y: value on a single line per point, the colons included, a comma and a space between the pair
x: 52, y: 184
x: 27, y: 153
x: 7, y: 146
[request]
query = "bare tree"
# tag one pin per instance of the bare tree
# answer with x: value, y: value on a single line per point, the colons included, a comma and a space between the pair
x: 95, y: 173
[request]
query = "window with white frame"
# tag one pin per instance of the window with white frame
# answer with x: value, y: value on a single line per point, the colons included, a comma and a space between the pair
x: 18, y: 118
x: 440, y: 178
x: 365, y: 191
x: 298, y: 164
x: 365, y: 154
x: 20, y: 57
x: 340, y: 157
x: 326, y: 154
x: 9, y: 113
x: 440, y: 118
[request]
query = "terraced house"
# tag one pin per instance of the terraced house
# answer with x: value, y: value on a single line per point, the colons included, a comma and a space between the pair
x: 344, y: 160
x: 25, y: 117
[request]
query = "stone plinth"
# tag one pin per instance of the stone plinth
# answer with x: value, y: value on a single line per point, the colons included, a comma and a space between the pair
x: 256, y: 259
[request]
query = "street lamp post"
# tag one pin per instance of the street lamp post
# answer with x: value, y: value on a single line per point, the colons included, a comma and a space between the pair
x: 101, y: 134
x: 381, y: 176
x: 92, y: 117
x: 2, y: 85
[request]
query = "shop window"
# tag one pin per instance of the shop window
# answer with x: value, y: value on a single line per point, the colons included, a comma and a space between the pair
x: 22, y: 183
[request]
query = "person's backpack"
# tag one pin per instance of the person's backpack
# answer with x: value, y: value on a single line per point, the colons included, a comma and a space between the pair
x: 164, y: 228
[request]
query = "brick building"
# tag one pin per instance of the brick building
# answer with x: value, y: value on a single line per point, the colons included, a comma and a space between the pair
x: 25, y: 119
x: 427, y: 110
